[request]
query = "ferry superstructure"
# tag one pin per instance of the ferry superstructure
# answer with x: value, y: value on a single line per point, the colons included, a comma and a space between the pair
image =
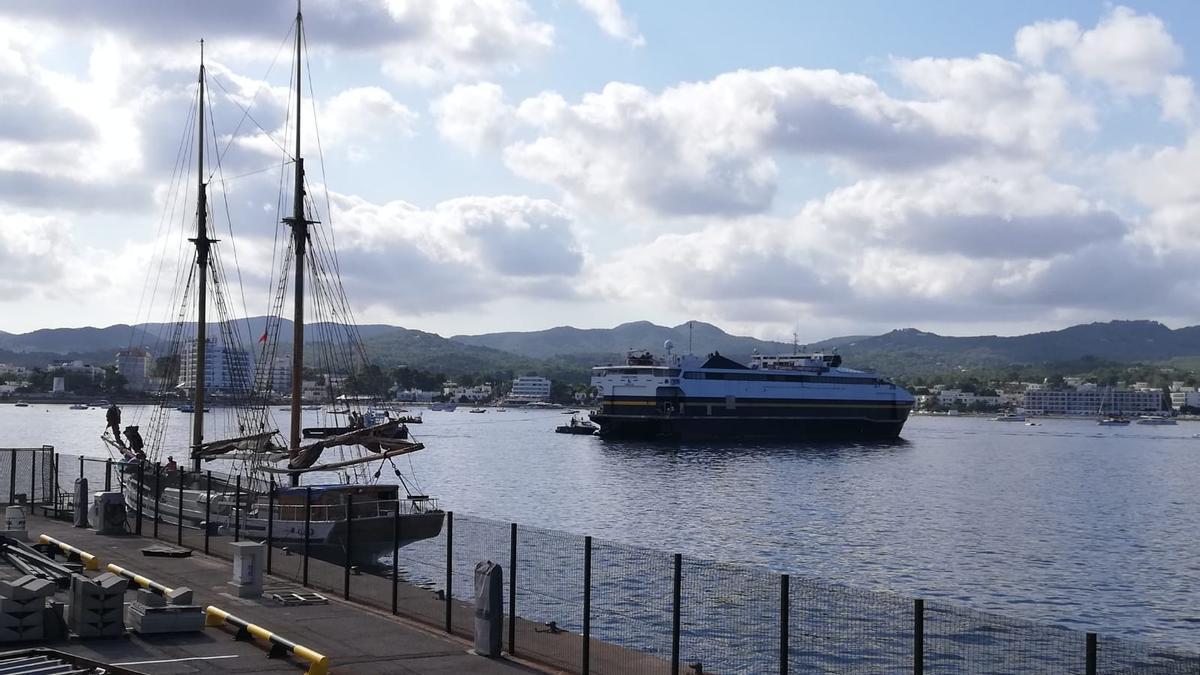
x: 793, y: 396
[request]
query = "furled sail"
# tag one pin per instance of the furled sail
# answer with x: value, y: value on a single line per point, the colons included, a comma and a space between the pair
x: 254, y: 443
x: 380, y: 438
x: 408, y: 447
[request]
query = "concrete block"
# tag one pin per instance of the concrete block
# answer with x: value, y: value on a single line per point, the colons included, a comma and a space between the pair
x: 181, y: 595
x: 43, y: 588
x: 16, y: 589
x: 21, y: 607
x: 170, y: 619
x: 111, y: 583
x: 247, y: 590
x: 21, y: 620
x: 148, y: 598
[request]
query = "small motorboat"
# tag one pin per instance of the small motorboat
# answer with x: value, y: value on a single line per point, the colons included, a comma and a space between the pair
x: 578, y: 427
x: 1113, y: 421
x: 21, y: 404
x: 79, y: 406
x: 477, y: 410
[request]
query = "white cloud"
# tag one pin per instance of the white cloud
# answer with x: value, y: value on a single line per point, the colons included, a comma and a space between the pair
x: 473, y: 115
x: 362, y: 115
x: 711, y: 147
x: 613, y: 21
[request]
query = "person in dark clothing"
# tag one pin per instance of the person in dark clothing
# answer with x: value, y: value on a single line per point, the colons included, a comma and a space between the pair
x: 135, y: 439
x: 113, y: 417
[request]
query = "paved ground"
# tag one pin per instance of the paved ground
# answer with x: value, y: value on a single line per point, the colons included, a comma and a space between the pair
x: 355, y: 638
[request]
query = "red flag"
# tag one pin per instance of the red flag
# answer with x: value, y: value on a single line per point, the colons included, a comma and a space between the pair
x: 263, y: 338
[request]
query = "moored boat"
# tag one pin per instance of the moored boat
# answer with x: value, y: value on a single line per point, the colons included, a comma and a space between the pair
x: 794, y: 396
x: 1157, y: 420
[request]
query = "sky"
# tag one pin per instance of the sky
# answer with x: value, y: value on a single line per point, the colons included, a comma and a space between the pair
x: 821, y: 169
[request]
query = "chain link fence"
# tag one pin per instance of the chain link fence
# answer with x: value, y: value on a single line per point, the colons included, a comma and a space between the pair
x: 587, y: 605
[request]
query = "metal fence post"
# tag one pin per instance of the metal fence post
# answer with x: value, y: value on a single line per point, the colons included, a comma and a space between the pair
x: 270, y: 522
x: 449, y: 568
x: 179, y: 516
x: 81, y: 466
x: 307, y: 527
x: 12, y: 477
x: 54, y: 482
x: 157, y: 495
x: 32, y: 480
x: 587, y: 604
x: 676, y: 594
x: 140, y: 492
x: 918, y: 637
x: 207, y: 509
x: 395, y: 556
x: 349, y: 516
x: 1090, y: 663
x: 108, y: 475
x: 512, y: 589
x: 237, y: 509
x: 784, y: 609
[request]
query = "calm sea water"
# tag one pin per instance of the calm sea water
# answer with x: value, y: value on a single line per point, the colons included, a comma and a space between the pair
x: 1092, y: 527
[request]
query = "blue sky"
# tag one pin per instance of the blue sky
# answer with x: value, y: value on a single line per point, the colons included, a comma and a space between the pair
x: 825, y: 168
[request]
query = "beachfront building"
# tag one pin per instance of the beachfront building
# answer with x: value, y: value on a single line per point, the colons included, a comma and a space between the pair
x: 135, y: 365
x: 1093, y: 401
x: 226, y: 371
x: 529, y: 388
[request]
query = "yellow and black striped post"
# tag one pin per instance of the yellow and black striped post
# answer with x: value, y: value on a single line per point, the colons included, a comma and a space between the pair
x: 90, y: 562
x: 139, y: 579
x: 318, y: 664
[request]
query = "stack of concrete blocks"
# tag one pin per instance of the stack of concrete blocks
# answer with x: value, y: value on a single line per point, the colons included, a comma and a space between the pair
x: 248, y: 568
x: 97, y: 606
x: 23, y: 608
x: 151, y: 613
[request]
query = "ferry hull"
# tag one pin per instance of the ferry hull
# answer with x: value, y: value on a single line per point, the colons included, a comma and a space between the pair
x: 698, y: 428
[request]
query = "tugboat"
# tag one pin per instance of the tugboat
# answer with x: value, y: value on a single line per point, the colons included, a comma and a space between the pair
x: 792, y: 396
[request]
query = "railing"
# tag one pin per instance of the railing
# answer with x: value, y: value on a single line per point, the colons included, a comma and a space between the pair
x: 592, y: 606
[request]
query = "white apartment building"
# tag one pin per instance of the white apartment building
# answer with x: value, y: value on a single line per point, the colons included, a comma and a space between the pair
x: 226, y: 371
x: 1189, y: 399
x: 135, y: 365
x: 416, y: 396
x: 274, y: 375
x: 1093, y: 401
x: 530, y: 388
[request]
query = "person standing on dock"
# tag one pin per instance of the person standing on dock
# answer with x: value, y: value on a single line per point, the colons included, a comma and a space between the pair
x: 113, y: 417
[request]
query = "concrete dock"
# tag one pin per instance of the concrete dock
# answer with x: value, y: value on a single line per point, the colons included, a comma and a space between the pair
x: 356, y: 638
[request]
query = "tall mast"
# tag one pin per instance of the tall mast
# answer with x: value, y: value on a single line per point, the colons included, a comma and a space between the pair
x: 202, y: 245
x: 300, y: 239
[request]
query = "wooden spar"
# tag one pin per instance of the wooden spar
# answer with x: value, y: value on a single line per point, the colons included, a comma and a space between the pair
x: 349, y: 462
x: 300, y: 239
x: 202, y: 245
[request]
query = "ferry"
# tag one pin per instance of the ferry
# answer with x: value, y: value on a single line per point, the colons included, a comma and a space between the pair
x: 1009, y: 417
x: 794, y: 396
x: 1158, y: 420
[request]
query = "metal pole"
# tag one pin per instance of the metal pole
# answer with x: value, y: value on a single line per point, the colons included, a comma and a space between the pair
x: 157, y: 494
x: 784, y: 599
x: 207, y: 509
x: 349, y: 517
x: 587, y: 604
x: 33, y: 480
x: 108, y: 475
x: 676, y: 593
x: 1090, y: 666
x: 12, y: 477
x: 179, y: 519
x: 140, y: 492
x: 395, y: 557
x: 307, y: 527
x: 237, y: 509
x: 54, y: 476
x: 512, y: 589
x: 918, y: 637
x: 270, y: 523
x: 81, y: 466
x: 449, y: 566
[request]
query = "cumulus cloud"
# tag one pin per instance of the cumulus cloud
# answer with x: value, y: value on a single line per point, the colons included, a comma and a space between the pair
x: 415, y: 40
x: 711, y: 147
x: 464, y: 251
x: 1132, y: 54
x: 613, y: 21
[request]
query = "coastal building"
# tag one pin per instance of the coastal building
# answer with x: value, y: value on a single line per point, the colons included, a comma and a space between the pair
x: 135, y: 365
x: 1093, y: 401
x: 9, y: 369
x: 455, y: 392
x: 530, y: 388
x: 1190, y: 398
x: 416, y: 396
x: 226, y: 371
x: 59, y: 386
x: 76, y: 368
x: 274, y: 375
x: 314, y: 390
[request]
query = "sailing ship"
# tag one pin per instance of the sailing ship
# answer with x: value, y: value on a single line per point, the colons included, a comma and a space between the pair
x: 1112, y: 419
x: 316, y: 516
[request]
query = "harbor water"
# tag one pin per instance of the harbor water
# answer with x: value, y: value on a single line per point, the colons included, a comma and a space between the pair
x: 1067, y: 522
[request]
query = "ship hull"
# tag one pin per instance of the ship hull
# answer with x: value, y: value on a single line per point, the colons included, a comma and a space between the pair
x: 773, y: 420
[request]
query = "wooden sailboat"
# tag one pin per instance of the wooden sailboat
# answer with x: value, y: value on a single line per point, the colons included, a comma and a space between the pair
x: 217, y: 499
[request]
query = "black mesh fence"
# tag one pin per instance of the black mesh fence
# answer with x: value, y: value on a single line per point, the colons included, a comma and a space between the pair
x: 604, y: 607
x: 27, y: 475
